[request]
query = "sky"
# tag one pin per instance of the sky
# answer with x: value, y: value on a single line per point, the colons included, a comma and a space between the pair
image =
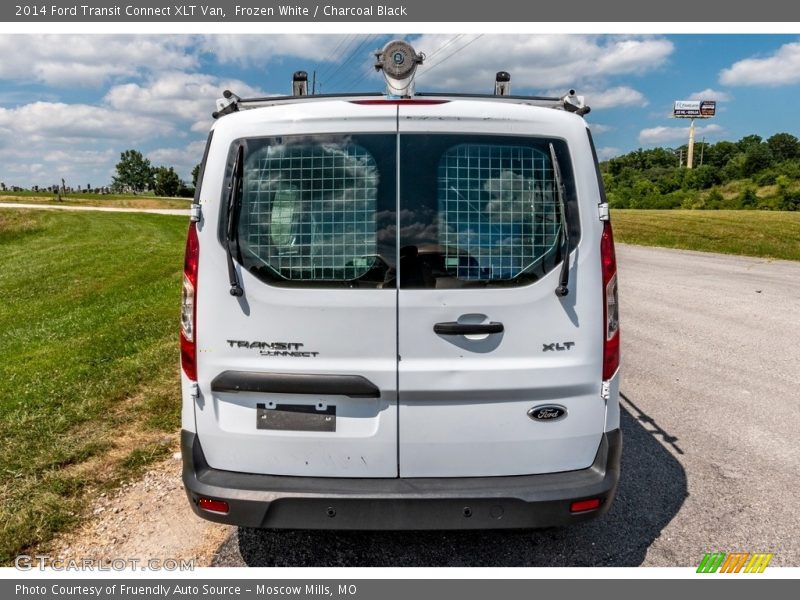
x: 70, y: 104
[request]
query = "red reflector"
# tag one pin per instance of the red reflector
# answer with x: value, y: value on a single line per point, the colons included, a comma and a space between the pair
x: 584, y: 505
x: 403, y: 101
x: 217, y: 506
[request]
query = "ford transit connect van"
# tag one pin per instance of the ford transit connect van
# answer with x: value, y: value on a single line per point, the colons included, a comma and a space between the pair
x: 400, y: 312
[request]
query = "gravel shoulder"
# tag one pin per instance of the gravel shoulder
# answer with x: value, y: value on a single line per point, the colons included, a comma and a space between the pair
x: 148, y: 518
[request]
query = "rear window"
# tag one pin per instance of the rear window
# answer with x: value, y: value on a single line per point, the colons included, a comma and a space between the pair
x: 471, y: 210
x: 313, y: 210
x: 480, y: 210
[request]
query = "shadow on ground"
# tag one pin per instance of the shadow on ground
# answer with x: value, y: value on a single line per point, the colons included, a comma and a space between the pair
x: 652, y: 490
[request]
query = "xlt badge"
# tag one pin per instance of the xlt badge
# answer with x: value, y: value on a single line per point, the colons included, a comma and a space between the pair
x: 557, y: 346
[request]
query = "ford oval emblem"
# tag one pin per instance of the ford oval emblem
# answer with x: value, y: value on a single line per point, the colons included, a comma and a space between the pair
x: 548, y: 412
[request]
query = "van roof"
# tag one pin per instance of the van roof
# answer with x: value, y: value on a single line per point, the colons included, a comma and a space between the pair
x: 464, y: 107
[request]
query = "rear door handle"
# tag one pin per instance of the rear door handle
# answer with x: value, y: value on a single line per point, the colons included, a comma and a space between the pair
x: 454, y: 328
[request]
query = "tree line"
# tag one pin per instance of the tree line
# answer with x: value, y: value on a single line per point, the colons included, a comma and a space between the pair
x: 135, y: 173
x: 750, y: 173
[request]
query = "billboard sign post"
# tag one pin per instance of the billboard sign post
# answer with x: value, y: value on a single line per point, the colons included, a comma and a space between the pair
x: 693, y: 109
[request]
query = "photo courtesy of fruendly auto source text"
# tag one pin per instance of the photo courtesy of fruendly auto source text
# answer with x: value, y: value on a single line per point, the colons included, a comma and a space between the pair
x: 412, y: 299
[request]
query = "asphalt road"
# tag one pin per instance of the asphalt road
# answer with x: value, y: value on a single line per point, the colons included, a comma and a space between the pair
x: 711, y: 460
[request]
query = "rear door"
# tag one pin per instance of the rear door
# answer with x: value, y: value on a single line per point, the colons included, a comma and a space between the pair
x: 483, y: 338
x: 298, y: 376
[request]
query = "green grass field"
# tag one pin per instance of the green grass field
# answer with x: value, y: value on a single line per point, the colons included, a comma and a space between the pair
x: 768, y: 234
x: 89, y: 372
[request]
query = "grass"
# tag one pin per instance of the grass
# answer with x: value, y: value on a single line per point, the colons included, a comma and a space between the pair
x: 89, y: 391
x: 86, y: 199
x: 768, y: 234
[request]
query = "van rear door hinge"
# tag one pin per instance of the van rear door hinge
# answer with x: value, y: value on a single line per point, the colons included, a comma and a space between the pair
x: 602, y: 210
x: 194, y: 391
x: 195, y: 212
x: 605, y: 390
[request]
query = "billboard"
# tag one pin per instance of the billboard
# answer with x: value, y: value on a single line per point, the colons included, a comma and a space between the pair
x: 694, y: 108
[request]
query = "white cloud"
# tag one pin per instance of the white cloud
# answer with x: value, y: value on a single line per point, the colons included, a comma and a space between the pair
x: 710, y: 94
x: 59, y: 122
x: 662, y: 135
x: 45, y: 162
x: 87, y: 139
x: 616, y: 96
x: 80, y: 142
x: 536, y: 62
x: 255, y: 50
x: 600, y: 128
x: 781, y: 68
x: 74, y: 60
x: 632, y: 55
x: 176, y: 97
x: 183, y: 159
x: 79, y: 157
x: 607, y: 152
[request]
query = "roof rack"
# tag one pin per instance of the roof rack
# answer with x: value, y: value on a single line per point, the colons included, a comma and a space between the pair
x: 399, y: 61
x: 232, y: 103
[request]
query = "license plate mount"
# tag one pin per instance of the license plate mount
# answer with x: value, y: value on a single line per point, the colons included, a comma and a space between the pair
x: 295, y: 417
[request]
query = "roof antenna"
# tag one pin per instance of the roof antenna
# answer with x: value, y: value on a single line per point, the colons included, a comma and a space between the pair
x: 398, y: 60
x: 502, y: 83
x: 300, y: 83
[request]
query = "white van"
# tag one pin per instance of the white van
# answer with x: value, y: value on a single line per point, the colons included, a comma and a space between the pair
x: 400, y: 312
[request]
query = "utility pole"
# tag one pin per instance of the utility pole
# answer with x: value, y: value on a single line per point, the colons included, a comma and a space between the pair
x: 690, y: 152
x: 314, y: 82
x: 702, y: 150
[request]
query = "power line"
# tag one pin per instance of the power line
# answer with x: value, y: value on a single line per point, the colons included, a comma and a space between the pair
x: 353, y: 54
x: 335, y: 56
x: 336, y: 61
x: 366, y: 72
x: 444, y: 45
x: 451, y: 55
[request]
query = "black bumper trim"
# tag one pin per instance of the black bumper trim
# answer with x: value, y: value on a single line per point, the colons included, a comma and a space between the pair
x: 283, y: 502
x: 354, y: 386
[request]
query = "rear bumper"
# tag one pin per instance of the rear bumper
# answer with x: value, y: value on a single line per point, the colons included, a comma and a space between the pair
x: 283, y: 502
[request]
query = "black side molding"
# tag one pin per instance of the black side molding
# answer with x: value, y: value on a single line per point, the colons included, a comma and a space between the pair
x: 354, y: 386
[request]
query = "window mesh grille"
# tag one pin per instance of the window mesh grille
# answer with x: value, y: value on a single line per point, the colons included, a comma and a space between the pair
x: 310, y: 210
x: 498, y: 210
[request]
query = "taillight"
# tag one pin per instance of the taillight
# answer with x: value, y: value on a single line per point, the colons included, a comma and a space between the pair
x: 610, y: 303
x: 189, y: 305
